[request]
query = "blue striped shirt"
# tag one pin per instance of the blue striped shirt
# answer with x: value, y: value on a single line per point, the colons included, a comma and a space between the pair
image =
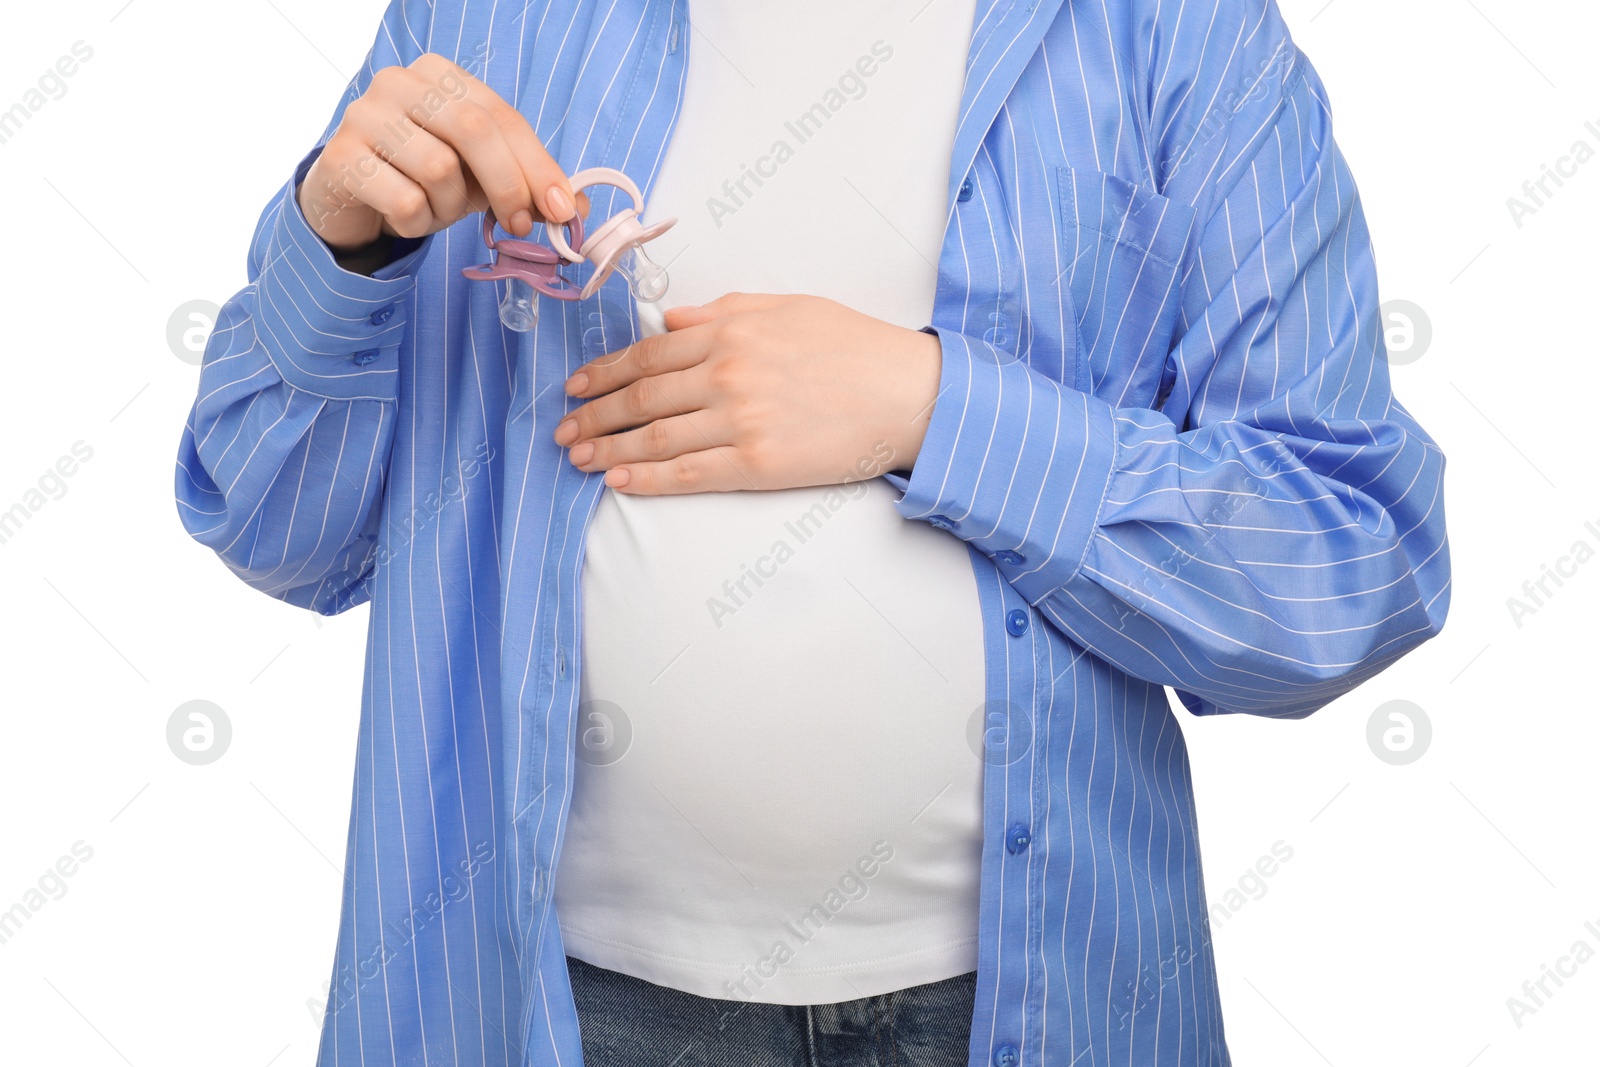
x: 1165, y: 432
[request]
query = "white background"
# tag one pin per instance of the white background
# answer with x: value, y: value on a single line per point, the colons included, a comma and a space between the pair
x: 1418, y: 898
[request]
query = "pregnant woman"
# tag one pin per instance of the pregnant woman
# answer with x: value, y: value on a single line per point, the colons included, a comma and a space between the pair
x: 779, y: 674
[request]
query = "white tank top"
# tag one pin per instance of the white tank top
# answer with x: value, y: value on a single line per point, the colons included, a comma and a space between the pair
x: 775, y: 796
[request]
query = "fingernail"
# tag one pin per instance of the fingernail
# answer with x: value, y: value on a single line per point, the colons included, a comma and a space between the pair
x: 577, y: 383
x: 567, y: 431
x: 617, y: 477
x: 581, y: 453
x: 522, y: 223
x: 559, y: 202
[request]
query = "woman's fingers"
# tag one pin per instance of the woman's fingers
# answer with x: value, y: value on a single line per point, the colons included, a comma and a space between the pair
x: 425, y: 146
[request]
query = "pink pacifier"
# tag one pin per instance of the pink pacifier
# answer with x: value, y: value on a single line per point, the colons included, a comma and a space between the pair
x: 618, y: 244
x: 524, y: 267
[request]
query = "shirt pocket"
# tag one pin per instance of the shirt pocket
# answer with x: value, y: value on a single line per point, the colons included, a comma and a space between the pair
x: 1125, y: 249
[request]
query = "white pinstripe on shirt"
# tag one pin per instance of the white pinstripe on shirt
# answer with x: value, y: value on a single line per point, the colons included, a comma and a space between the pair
x: 1165, y: 431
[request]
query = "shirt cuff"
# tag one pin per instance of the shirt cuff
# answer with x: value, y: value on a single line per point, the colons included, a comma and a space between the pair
x: 1013, y: 463
x: 327, y: 330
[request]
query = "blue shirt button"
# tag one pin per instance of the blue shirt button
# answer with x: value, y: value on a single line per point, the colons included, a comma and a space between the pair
x: 1007, y: 1056
x: 1008, y: 557
x: 365, y: 357
x: 381, y: 316
x: 943, y: 522
x: 965, y: 192
x: 1016, y: 622
x: 1018, y: 838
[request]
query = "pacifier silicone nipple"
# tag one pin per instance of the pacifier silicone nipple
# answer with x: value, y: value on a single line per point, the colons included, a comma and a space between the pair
x: 518, y: 308
x: 647, y: 279
x: 618, y: 245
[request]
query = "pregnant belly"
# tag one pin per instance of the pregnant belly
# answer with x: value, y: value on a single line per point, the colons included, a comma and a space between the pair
x: 770, y: 682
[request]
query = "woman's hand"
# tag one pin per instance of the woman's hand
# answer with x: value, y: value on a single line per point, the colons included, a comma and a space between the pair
x: 423, y: 147
x: 754, y: 391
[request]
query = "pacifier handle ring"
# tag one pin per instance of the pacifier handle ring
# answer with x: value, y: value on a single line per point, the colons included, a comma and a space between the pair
x: 582, y: 180
x: 519, y: 248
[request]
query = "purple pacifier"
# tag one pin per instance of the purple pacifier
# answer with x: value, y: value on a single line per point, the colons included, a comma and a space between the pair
x: 525, y: 267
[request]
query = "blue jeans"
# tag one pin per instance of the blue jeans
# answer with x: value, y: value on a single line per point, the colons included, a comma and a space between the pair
x: 628, y: 1022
